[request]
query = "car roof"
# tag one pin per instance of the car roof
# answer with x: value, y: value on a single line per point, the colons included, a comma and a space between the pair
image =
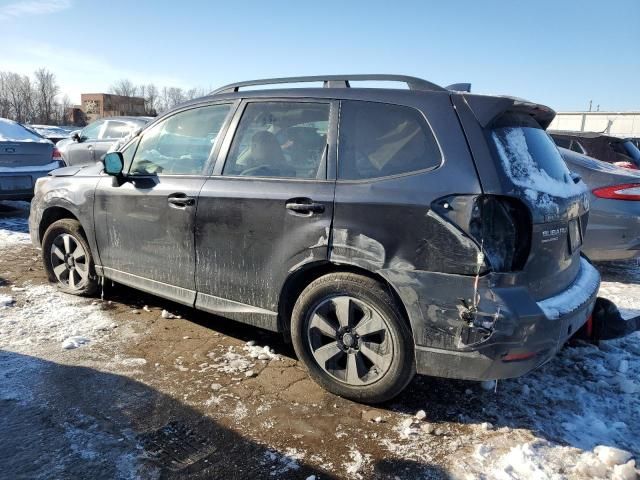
x: 129, y: 118
x: 571, y: 133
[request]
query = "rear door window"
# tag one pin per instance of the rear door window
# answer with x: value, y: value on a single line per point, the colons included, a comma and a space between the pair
x: 91, y: 131
x: 115, y: 130
x: 380, y: 140
x: 280, y: 139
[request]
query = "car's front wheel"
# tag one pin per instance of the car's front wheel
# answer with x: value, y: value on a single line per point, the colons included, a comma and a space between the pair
x: 67, y: 258
x: 352, y: 337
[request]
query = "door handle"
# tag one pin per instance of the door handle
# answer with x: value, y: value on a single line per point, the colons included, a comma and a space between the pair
x: 180, y: 200
x: 304, y: 206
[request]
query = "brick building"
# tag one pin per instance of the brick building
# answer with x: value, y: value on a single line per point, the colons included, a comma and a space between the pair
x: 98, y: 105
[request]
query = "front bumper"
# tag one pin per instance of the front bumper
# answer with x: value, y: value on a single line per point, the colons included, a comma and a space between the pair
x: 524, y: 335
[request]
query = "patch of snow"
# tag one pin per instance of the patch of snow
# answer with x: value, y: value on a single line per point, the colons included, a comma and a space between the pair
x: 357, y: 464
x: 282, y: 463
x: 133, y: 362
x: 6, y: 301
x: 48, y: 315
x: 524, y: 171
x: 576, y: 295
x: 626, y: 296
x: 14, y: 231
x: 74, y: 342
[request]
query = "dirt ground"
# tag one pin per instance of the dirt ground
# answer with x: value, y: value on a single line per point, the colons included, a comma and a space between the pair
x: 203, y: 397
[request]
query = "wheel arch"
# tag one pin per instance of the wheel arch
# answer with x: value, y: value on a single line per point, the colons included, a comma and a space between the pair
x: 53, y: 214
x: 298, y: 280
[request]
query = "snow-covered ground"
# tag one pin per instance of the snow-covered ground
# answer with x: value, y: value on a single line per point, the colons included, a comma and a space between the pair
x: 574, y: 418
x: 14, y: 227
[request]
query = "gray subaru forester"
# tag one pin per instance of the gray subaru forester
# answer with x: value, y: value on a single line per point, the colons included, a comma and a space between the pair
x: 384, y: 231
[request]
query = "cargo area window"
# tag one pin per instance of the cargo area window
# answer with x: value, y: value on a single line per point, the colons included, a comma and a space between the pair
x: 380, y: 140
x: 529, y: 156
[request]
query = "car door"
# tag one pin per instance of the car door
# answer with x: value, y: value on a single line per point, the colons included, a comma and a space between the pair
x: 145, y: 221
x: 266, y: 211
x: 81, y: 152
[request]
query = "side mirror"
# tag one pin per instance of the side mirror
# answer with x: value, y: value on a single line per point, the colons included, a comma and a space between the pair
x: 75, y: 136
x: 113, y: 164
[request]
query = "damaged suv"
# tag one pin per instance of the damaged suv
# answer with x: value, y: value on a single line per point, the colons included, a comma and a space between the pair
x: 384, y: 231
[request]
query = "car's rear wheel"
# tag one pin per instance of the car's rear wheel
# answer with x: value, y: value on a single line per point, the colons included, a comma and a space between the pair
x: 67, y: 258
x: 352, y: 337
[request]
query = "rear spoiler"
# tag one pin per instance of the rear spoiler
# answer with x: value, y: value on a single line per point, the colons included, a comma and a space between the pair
x: 487, y: 108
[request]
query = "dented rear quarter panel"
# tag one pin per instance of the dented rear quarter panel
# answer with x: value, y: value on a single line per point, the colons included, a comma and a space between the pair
x: 386, y: 226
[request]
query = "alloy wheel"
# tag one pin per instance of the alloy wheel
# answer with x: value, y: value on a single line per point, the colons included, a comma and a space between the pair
x: 69, y: 261
x: 350, y: 340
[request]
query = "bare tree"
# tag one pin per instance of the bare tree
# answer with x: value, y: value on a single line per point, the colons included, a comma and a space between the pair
x: 18, y: 97
x: 46, y: 90
x: 124, y: 87
x: 151, y: 99
x: 194, y: 93
x: 61, y: 113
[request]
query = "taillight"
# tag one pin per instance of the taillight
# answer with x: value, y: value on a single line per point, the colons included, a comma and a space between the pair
x: 629, y: 165
x: 56, y: 155
x: 500, y: 225
x: 626, y: 191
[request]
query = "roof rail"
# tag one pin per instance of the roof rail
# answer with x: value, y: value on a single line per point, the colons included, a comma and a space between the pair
x: 335, y: 81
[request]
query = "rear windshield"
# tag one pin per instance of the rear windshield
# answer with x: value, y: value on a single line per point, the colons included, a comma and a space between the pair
x: 529, y: 156
x: 14, y: 132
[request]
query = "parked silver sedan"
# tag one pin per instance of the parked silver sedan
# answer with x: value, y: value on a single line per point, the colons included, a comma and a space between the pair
x: 613, y: 231
x: 91, y: 143
x: 25, y: 156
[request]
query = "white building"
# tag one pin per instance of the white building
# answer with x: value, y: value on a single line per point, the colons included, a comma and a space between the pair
x: 620, y: 124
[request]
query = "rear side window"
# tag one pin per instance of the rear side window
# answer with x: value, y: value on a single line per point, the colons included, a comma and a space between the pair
x: 380, y: 140
x: 116, y: 130
x: 529, y: 156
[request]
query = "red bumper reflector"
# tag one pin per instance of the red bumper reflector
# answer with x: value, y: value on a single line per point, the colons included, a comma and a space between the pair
x: 589, y: 326
x: 517, y: 357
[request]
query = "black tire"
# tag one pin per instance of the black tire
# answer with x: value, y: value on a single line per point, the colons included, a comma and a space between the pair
x: 362, y: 293
x: 87, y: 284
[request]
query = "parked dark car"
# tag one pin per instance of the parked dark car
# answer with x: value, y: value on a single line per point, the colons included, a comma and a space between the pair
x: 91, y: 143
x: 25, y: 156
x: 615, y: 150
x: 384, y: 231
x: 613, y: 232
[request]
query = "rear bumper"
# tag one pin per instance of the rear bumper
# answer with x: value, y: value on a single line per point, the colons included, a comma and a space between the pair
x: 525, y: 334
x: 19, y: 185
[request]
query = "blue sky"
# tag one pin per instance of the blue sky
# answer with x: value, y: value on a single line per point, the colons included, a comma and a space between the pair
x: 561, y: 53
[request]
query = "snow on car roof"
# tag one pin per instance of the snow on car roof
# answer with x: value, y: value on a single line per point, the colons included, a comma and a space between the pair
x: 11, y: 131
